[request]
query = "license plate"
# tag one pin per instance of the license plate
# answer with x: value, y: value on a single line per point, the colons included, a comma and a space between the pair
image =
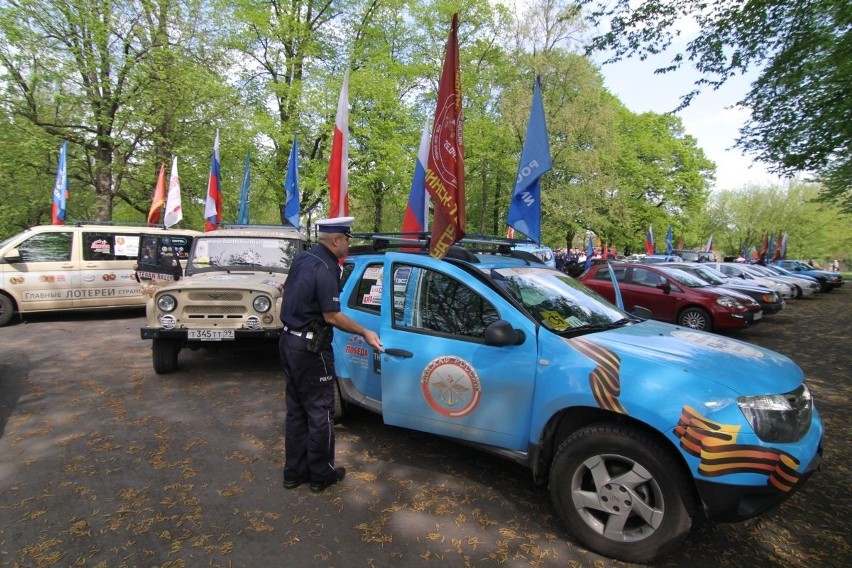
x: 211, y: 334
x: 758, y: 315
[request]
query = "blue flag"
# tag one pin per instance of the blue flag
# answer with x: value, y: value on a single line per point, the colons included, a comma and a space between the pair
x: 291, y: 186
x: 525, y: 207
x: 243, y: 209
x: 590, y: 252
x: 669, y: 239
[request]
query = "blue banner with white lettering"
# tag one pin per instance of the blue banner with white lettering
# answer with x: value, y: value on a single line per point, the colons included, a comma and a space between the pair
x: 525, y: 207
x: 291, y: 186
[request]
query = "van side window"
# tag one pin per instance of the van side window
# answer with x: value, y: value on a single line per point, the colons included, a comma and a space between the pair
x: 46, y: 247
x: 99, y: 246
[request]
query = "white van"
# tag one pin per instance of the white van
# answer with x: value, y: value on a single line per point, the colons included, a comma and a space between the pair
x: 71, y: 267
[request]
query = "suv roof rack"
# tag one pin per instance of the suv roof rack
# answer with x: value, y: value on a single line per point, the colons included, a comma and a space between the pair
x: 466, y: 249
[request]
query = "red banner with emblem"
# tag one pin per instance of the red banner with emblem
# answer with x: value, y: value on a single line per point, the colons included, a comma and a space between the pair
x: 445, y: 166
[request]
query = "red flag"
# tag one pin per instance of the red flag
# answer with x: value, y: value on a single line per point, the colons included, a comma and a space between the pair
x: 445, y: 168
x: 338, y: 166
x: 158, y: 199
x: 776, y: 255
x: 764, y: 249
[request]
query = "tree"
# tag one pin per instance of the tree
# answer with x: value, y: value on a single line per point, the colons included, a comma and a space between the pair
x: 801, y: 102
x: 92, y: 72
x: 814, y: 230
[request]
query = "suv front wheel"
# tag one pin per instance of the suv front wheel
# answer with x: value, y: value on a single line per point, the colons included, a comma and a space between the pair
x: 620, y: 492
x: 165, y: 355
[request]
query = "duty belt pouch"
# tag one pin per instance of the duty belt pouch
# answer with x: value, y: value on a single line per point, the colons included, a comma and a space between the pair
x: 321, y: 340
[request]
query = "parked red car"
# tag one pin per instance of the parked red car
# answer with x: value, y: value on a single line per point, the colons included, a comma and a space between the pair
x: 674, y: 296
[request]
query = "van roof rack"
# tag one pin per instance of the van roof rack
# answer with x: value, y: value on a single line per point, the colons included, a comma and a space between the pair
x: 249, y: 227
x: 81, y: 223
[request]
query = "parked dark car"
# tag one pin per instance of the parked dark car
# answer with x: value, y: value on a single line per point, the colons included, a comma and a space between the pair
x: 827, y: 280
x: 770, y: 301
x: 674, y: 296
x: 695, y: 255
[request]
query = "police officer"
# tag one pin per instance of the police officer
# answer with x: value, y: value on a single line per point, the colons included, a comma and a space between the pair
x: 310, y: 309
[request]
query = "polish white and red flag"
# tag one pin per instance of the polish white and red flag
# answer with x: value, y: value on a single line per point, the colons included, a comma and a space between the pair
x: 338, y: 166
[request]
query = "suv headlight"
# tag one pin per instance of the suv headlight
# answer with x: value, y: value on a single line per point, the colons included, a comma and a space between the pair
x: 779, y: 417
x: 167, y: 303
x: 262, y: 304
x: 728, y: 302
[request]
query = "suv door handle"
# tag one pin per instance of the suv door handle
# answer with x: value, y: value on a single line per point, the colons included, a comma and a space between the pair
x: 399, y: 353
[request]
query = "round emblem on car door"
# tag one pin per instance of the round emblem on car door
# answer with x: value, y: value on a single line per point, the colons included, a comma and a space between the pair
x: 451, y: 386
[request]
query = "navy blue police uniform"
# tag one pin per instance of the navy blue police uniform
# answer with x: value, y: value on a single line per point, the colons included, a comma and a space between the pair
x: 312, y: 287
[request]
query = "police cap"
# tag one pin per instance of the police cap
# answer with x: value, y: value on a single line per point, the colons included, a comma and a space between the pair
x: 336, y: 225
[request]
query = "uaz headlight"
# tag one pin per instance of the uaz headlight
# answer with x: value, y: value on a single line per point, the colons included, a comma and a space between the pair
x: 779, y: 417
x: 167, y: 303
x: 261, y: 304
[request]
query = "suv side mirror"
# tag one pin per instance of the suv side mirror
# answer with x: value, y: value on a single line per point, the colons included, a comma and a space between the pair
x: 501, y: 332
x: 665, y: 287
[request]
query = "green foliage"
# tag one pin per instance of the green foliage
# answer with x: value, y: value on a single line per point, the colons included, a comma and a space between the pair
x: 801, y: 102
x: 131, y: 86
x: 814, y: 230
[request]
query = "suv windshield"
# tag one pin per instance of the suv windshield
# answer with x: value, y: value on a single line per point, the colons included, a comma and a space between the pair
x: 226, y: 253
x: 557, y: 301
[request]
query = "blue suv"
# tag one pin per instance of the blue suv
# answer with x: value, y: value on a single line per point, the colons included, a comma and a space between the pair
x: 828, y: 281
x: 636, y: 427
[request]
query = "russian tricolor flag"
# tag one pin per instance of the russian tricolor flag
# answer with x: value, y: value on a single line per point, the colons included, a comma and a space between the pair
x: 417, y: 210
x: 213, y: 205
x: 649, y: 241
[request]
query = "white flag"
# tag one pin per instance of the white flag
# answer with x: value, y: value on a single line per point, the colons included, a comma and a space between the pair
x: 173, y: 211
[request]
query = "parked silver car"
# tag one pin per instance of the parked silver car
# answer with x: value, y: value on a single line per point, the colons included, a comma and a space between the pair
x: 738, y: 270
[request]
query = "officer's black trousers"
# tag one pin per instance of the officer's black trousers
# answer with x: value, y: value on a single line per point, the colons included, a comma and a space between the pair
x: 309, y: 426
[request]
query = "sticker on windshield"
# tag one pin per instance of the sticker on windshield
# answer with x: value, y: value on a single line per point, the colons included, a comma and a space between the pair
x: 451, y: 386
x: 554, y: 320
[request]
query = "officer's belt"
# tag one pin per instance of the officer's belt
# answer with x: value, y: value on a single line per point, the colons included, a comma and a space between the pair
x: 303, y: 334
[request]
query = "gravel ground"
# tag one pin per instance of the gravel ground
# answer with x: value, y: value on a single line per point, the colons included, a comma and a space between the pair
x: 104, y: 463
